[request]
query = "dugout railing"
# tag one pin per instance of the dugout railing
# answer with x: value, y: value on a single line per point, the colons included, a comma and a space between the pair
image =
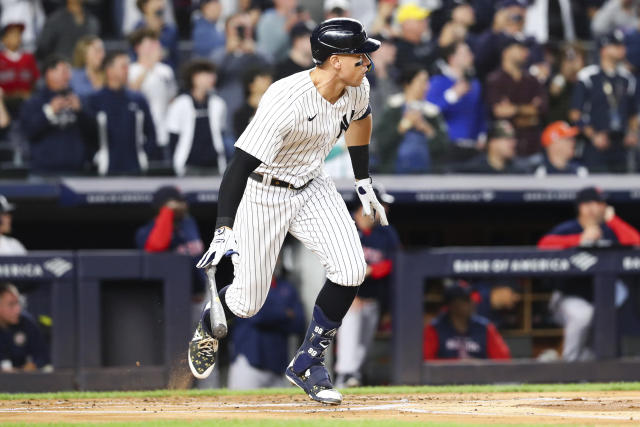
x: 413, y: 268
x: 119, y: 319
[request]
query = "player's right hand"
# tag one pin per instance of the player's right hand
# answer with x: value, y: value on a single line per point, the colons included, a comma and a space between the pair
x: 223, y: 243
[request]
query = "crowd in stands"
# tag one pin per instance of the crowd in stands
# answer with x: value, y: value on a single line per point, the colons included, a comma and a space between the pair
x: 159, y: 86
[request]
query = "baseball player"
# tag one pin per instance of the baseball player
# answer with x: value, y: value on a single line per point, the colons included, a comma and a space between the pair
x: 275, y: 185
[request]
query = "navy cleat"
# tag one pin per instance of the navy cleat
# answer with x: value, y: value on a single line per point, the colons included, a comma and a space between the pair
x: 307, y: 369
x: 203, y: 348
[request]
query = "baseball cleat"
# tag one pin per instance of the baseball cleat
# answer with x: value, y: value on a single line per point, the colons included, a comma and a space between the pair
x: 316, y: 383
x: 203, y: 349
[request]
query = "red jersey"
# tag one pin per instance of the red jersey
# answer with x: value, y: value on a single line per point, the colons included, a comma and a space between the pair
x: 18, y: 72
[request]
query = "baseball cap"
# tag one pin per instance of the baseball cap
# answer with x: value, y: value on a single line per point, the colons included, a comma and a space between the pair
x: 5, y: 206
x: 517, y: 39
x: 459, y: 289
x: 557, y: 130
x: 411, y: 11
x: 300, y: 29
x: 614, y: 37
x: 164, y: 194
x: 590, y: 194
x: 501, y: 129
x: 9, y: 25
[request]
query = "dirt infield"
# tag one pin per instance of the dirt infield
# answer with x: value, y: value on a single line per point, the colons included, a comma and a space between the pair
x: 592, y: 408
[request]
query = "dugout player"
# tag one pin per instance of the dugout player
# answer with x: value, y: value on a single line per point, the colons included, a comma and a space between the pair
x: 460, y: 334
x: 277, y: 167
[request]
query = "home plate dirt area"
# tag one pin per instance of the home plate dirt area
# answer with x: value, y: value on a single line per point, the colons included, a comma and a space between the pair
x: 580, y: 408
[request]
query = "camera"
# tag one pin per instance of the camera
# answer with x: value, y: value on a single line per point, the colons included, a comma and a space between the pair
x: 241, y: 29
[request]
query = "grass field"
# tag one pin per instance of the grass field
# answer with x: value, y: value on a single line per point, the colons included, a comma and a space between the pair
x: 567, y: 404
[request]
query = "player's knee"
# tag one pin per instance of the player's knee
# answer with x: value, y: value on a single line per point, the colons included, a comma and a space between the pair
x: 245, y: 312
x: 352, y: 277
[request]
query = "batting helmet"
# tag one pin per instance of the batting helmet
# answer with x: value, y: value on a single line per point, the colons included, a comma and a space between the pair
x: 340, y: 36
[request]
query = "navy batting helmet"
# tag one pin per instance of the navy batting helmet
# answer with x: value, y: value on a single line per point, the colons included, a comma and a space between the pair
x: 340, y: 36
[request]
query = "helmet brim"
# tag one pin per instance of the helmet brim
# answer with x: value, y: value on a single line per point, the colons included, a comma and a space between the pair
x: 370, y: 45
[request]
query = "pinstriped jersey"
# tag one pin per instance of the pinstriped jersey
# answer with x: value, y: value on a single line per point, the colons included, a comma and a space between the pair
x: 294, y: 127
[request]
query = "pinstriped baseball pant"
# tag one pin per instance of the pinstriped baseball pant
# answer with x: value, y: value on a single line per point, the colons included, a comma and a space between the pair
x: 316, y: 215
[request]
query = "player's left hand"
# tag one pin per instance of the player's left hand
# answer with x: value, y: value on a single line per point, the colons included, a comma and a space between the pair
x: 370, y: 204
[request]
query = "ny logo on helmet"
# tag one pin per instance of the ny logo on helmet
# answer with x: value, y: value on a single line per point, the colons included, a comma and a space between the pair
x: 344, y: 125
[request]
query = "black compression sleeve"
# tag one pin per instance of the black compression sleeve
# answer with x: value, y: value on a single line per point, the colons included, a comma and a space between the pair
x: 232, y: 187
x: 360, y: 160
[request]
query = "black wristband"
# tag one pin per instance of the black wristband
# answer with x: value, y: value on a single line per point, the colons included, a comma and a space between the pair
x: 360, y: 160
x: 224, y: 221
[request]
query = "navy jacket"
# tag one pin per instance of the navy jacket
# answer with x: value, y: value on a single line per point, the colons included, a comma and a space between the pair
x: 60, y: 143
x: 17, y: 342
x: 380, y: 245
x: 126, y: 133
x: 262, y: 339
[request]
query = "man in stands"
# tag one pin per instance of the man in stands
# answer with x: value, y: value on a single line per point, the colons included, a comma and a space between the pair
x: 558, y: 141
x: 459, y: 334
x: 60, y: 131
x: 571, y: 303
x: 500, y: 155
x: 126, y: 132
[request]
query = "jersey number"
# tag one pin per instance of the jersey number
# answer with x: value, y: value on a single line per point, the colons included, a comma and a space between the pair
x: 344, y: 125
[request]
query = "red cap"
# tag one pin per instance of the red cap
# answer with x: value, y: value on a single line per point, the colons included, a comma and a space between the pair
x: 557, y: 130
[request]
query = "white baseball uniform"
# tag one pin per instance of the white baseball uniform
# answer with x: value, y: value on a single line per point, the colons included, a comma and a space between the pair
x: 292, y: 132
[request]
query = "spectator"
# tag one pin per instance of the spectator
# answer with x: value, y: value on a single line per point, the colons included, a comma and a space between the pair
x: 64, y: 28
x: 126, y: 131
x: 87, y: 76
x: 604, y: 105
x: 272, y: 31
x: 128, y: 15
x: 493, y: 299
x: 256, y: 81
x: 196, y: 122
x: 558, y: 140
x: 500, y: 156
x: 206, y: 36
x: 8, y: 245
x: 359, y: 325
x: 414, y: 48
x: 238, y: 56
x: 459, y: 334
x: 153, y: 17
x: 299, y: 58
x: 30, y: 13
x: 173, y: 230
x: 508, y: 23
x: 58, y: 127
x: 458, y: 93
x: 22, y: 346
x: 260, y: 343
x: 571, y: 304
x: 154, y: 79
x: 457, y: 29
x: 563, y: 83
x: 615, y: 15
x: 411, y: 134
x: 459, y: 12
x: 514, y: 94
x: 18, y: 69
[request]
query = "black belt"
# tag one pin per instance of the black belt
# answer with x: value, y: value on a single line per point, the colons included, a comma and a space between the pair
x: 278, y: 183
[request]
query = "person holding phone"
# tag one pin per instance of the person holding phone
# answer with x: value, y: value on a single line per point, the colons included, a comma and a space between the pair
x: 57, y: 126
